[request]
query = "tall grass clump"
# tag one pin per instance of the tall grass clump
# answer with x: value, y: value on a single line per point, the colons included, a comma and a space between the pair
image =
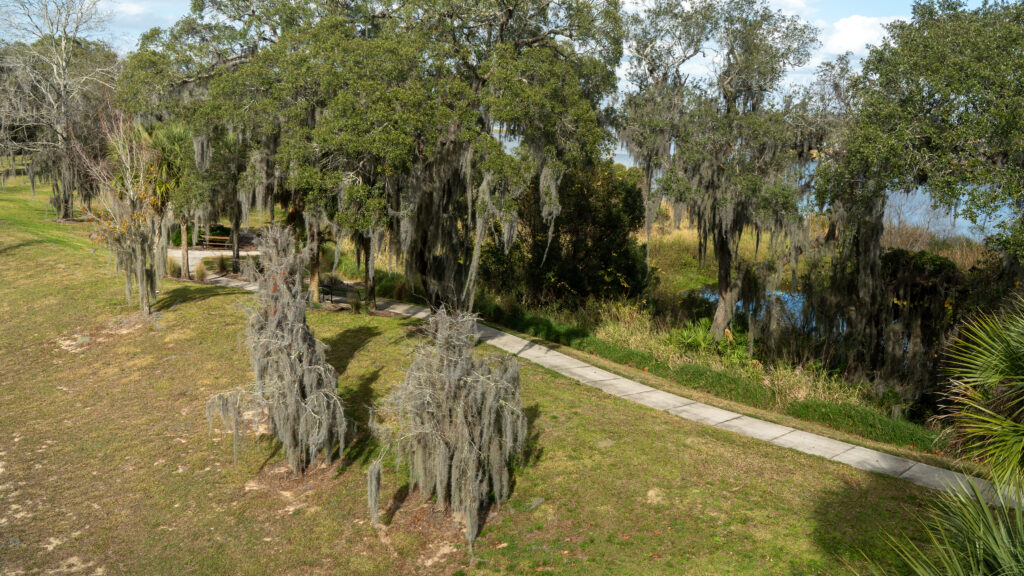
x: 200, y: 274
x: 295, y: 387
x: 456, y: 421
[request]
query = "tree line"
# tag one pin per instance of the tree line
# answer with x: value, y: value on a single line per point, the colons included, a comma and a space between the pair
x: 469, y: 142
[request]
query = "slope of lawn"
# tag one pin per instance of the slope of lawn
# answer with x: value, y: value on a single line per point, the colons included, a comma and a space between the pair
x: 108, y: 466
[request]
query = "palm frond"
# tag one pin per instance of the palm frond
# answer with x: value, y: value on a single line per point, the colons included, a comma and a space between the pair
x: 986, y: 400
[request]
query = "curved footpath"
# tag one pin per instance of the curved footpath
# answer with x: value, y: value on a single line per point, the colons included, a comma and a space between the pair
x: 842, y: 452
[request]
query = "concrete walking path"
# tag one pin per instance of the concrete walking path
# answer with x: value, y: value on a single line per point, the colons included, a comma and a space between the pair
x: 806, y: 442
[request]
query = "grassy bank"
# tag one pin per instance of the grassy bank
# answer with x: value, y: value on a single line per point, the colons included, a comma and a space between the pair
x: 687, y: 360
x: 107, y: 464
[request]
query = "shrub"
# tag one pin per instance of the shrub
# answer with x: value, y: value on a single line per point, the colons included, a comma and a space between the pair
x: 295, y: 386
x: 695, y: 335
x: 200, y: 274
x: 400, y: 290
x: 173, y: 269
x: 986, y: 402
x: 222, y: 264
x: 456, y: 421
x: 591, y: 250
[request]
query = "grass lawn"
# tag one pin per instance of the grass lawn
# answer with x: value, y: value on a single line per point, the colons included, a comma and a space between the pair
x: 108, y: 466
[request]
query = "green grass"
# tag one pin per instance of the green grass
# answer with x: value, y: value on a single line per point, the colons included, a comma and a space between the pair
x: 867, y: 422
x: 537, y: 325
x: 675, y: 254
x: 718, y: 382
x: 852, y: 418
x: 106, y: 459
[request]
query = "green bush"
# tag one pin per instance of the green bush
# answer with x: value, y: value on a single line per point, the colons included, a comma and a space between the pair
x: 215, y: 230
x: 973, y: 533
x: 592, y: 249
x: 987, y: 398
x: 694, y: 335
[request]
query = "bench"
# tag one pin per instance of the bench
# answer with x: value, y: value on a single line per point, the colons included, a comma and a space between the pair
x: 218, y: 242
x: 329, y: 291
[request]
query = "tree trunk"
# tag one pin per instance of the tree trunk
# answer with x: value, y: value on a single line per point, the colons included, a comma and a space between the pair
x: 236, y: 225
x: 314, y: 264
x: 186, y: 274
x: 64, y: 192
x: 141, y: 278
x: 368, y: 277
x: 728, y: 293
x: 649, y: 214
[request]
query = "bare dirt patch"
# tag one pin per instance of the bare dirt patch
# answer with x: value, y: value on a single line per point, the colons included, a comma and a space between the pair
x: 80, y: 340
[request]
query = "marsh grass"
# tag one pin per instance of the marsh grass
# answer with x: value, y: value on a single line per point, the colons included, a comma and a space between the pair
x: 200, y: 273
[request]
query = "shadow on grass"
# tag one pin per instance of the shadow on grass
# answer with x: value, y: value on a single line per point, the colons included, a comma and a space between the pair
x: 358, y: 401
x: 534, y: 325
x: 397, y: 500
x: 17, y: 246
x: 854, y: 521
x: 532, y: 450
x: 188, y: 293
x: 271, y: 442
x: 342, y: 347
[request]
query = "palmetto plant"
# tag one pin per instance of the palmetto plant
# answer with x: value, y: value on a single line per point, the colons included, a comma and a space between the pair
x: 968, y: 533
x: 969, y: 536
x: 986, y: 403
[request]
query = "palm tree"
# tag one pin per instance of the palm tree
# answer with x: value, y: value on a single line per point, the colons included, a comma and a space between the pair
x: 177, y: 182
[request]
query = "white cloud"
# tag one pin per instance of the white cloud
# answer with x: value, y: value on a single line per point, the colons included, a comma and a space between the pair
x: 130, y: 8
x: 800, y: 8
x: 854, y: 33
